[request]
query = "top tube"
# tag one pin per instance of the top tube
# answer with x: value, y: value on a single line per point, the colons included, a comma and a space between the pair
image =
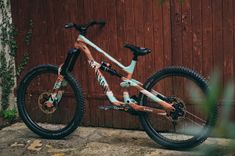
x: 128, y: 69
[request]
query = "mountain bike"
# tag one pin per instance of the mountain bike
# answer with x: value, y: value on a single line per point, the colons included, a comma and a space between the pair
x: 169, y: 104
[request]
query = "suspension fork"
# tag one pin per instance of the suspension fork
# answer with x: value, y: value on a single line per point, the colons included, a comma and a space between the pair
x: 70, y: 60
x: 67, y: 66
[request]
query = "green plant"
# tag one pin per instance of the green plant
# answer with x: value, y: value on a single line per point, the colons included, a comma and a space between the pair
x: 7, y: 53
x: 27, y: 41
x: 225, y: 127
x: 7, y: 79
x: 9, y: 114
x: 8, y: 46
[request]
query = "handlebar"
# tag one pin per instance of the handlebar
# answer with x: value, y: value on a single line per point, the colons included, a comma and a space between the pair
x: 82, y: 28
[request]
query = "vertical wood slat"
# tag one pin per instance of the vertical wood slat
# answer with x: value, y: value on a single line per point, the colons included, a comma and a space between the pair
x: 128, y: 120
x: 217, y: 34
x: 228, y: 39
x: 207, y: 37
x: 187, y: 34
x: 176, y: 26
x: 197, y: 34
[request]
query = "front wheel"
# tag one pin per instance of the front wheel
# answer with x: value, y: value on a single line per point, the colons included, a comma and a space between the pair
x: 34, y: 91
x: 190, y: 124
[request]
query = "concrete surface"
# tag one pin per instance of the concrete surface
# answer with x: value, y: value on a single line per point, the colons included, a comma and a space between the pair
x: 18, y: 140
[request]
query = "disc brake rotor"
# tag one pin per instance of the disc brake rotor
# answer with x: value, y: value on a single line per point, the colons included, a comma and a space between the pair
x: 42, y: 103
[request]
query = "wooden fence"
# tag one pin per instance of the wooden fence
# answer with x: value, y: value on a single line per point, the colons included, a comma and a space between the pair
x: 198, y: 34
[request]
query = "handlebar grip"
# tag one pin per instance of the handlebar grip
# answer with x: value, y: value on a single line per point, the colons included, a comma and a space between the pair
x: 101, y: 22
x: 69, y: 25
x: 94, y: 22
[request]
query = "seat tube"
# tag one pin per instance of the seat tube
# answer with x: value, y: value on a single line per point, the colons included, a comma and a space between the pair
x: 130, y: 69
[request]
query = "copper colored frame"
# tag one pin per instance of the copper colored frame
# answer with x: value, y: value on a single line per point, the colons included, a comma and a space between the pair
x: 82, y: 46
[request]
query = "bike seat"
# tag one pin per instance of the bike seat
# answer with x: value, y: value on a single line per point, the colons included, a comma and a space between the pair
x: 137, y: 51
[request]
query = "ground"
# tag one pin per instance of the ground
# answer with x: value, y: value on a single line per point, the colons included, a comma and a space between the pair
x: 18, y: 140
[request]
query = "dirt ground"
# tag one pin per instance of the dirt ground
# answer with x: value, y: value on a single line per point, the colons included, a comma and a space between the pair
x: 17, y: 140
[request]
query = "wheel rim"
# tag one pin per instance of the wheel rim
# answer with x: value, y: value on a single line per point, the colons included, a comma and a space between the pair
x: 165, y: 128
x: 60, y: 118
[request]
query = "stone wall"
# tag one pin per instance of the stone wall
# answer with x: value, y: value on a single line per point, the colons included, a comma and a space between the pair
x: 12, y: 98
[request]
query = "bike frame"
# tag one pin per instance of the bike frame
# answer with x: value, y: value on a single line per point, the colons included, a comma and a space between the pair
x: 81, y: 44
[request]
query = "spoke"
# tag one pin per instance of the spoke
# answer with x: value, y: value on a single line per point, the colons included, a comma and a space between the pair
x: 203, y: 121
x: 194, y: 122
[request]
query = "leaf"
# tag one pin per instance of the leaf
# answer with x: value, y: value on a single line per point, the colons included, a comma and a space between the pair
x: 58, y: 154
x: 36, y: 145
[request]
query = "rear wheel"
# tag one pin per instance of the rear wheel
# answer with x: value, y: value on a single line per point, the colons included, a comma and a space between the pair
x: 190, y: 124
x: 34, y: 91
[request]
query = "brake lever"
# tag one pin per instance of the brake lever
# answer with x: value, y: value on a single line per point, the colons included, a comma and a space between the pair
x: 93, y: 22
x: 69, y: 25
x: 101, y: 23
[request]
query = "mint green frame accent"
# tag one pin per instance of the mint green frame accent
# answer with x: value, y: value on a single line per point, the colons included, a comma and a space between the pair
x: 129, y: 69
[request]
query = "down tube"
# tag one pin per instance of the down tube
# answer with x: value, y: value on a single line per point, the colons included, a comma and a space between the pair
x: 103, y: 83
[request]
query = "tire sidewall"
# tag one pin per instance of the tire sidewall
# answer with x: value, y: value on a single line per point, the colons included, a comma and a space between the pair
x: 23, y: 112
x: 199, y: 80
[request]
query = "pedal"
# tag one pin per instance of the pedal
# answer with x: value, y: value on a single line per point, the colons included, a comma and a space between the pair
x: 110, y: 107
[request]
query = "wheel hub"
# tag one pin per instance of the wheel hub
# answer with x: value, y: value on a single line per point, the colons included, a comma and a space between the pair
x: 43, y: 104
x: 180, y: 109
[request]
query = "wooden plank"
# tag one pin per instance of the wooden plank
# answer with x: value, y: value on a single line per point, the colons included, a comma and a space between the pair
x: 108, y: 115
x: 139, y: 33
x: 157, y: 52
x: 207, y: 37
x: 167, y: 44
x: 217, y: 34
x: 166, y: 29
x: 81, y: 67
x: 176, y: 17
x: 187, y: 51
x: 197, y: 35
x: 233, y: 53
x: 228, y: 39
x: 88, y: 15
x: 112, y: 117
x: 51, y: 26
x: 101, y: 38
x: 187, y: 34
x: 148, y: 38
x: 118, y: 117
x: 176, y: 20
x: 128, y: 120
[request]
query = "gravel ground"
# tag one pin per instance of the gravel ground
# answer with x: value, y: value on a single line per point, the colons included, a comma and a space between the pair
x: 18, y: 140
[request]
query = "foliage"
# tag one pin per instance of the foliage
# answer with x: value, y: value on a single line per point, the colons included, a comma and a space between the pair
x: 7, y: 79
x: 9, y: 114
x: 225, y: 127
x: 8, y: 51
x: 8, y: 48
x: 27, y: 41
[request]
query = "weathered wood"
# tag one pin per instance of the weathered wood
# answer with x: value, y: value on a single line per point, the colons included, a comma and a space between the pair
x: 228, y: 39
x: 207, y: 33
x: 197, y: 33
